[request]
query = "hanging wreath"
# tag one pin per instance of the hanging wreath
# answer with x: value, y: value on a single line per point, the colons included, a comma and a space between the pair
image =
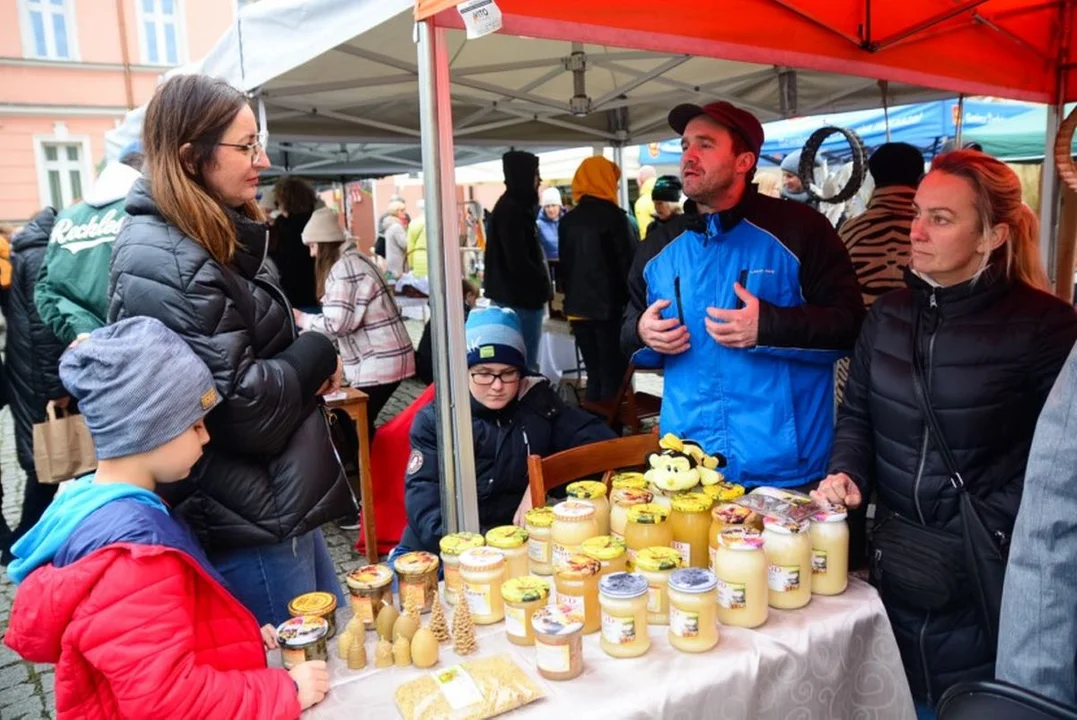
x: 1063, y: 152
x: 807, y: 164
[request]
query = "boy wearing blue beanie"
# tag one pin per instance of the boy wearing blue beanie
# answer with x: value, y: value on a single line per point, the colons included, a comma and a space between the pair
x: 513, y: 415
x: 113, y: 589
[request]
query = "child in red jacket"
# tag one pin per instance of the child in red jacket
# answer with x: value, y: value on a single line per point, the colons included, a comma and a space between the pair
x: 115, y: 590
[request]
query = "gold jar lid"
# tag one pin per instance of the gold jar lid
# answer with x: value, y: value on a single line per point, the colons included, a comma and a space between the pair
x: 603, y: 547
x: 507, y: 537
x: 586, y: 490
x: 313, y: 603
x: 647, y: 514
x: 691, y: 502
x: 724, y: 491
x: 459, y: 542
x: 628, y: 480
x: 416, y: 563
x: 525, y: 589
x: 370, y: 577
x: 657, y: 559
x: 540, y: 517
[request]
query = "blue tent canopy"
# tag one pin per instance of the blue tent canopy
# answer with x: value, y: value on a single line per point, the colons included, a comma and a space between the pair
x: 923, y: 125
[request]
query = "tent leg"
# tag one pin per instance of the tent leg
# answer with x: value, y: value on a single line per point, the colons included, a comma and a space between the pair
x: 622, y: 185
x: 456, y: 455
x: 1049, y: 196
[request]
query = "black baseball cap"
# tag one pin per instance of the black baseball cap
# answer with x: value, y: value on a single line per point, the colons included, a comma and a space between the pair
x: 739, y: 121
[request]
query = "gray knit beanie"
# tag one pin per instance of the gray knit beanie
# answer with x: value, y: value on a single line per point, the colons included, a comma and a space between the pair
x: 138, y: 386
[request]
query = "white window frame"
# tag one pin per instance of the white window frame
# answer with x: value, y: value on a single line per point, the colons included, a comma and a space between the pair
x: 27, y: 31
x: 179, y: 18
x: 41, y: 165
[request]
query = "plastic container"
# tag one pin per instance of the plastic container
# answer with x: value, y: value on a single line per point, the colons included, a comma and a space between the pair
x: 523, y: 596
x: 451, y: 546
x: 830, y: 551
x: 621, y: 502
x: 577, y: 590
x: 788, y: 547
x: 728, y: 515
x: 371, y: 589
x: 656, y: 564
x: 691, y: 524
x: 538, y: 522
x: 512, y: 542
x: 573, y: 522
x: 741, y: 569
x: 316, y: 604
x: 609, y: 551
x: 593, y: 493
x: 558, y: 643
x: 482, y: 571
x: 693, y: 610
x: 301, y: 639
x: 647, y: 527
x: 417, y: 574
x: 623, y: 598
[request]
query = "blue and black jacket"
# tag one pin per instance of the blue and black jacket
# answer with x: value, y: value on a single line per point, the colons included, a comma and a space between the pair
x: 768, y: 409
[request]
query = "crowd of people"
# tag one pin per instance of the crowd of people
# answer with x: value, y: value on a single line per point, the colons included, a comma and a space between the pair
x: 196, y: 340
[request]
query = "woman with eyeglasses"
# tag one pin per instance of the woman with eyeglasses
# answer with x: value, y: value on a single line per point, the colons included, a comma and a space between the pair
x: 513, y: 415
x: 192, y: 254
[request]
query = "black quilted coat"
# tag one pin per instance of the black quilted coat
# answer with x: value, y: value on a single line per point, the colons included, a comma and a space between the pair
x: 269, y: 472
x: 993, y: 349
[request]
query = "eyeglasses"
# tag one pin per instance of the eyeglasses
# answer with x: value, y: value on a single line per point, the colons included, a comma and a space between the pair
x: 254, y: 150
x: 507, y: 377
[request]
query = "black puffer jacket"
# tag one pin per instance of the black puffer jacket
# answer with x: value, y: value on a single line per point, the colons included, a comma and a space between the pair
x: 33, y: 352
x: 269, y: 472
x: 537, y: 423
x: 515, y: 272
x: 993, y: 349
x: 596, y: 246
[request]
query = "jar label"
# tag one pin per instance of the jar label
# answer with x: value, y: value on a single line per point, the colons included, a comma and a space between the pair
x: 552, y: 658
x: 452, y: 578
x: 573, y: 604
x: 538, y: 550
x: 478, y: 598
x: 783, y: 578
x: 654, y: 598
x: 685, y: 550
x: 818, y: 562
x: 683, y: 623
x: 514, y: 621
x: 458, y: 687
x: 362, y: 609
x: 561, y: 554
x: 731, y: 596
x: 410, y: 593
x: 618, y: 630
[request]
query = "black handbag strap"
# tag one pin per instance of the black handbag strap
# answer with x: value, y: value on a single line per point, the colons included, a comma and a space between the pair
x: 919, y: 382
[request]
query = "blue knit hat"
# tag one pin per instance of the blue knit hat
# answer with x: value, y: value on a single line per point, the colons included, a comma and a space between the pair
x: 493, y: 336
x: 138, y: 386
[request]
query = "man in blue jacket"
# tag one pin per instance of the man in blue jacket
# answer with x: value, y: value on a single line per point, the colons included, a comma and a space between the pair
x: 746, y: 306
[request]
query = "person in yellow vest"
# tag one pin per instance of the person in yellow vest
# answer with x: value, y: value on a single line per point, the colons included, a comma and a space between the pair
x: 417, y: 242
x: 644, y: 207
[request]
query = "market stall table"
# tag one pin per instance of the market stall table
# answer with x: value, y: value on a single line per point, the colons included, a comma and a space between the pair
x: 354, y: 402
x: 835, y: 659
x: 557, y: 351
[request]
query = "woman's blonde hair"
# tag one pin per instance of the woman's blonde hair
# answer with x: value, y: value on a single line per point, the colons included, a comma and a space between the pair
x: 998, y: 201
x: 192, y: 111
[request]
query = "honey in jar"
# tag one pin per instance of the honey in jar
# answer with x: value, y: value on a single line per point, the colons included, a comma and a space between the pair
x: 656, y: 564
x: 573, y: 522
x: 741, y: 569
x: 577, y: 590
x: 788, y: 548
x: 594, y: 493
x: 830, y: 551
x: 647, y: 526
x: 690, y: 521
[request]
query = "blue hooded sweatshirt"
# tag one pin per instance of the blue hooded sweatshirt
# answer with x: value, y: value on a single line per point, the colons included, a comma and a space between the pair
x: 548, y: 234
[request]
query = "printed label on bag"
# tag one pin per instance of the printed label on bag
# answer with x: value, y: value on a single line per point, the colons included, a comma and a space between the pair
x: 514, y: 621
x: 553, y: 658
x: 538, y: 550
x: 683, y: 623
x: 458, y: 687
x: 818, y: 562
x: 783, y: 578
x: 478, y: 598
x: 731, y: 596
x: 618, y: 630
x: 654, y: 599
x: 686, y: 552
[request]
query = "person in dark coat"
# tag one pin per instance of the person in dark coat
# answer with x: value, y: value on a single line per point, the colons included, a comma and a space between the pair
x: 596, y: 247
x: 32, y: 364
x: 513, y: 415
x: 191, y: 254
x: 992, y: 343
x: 424, y: 353
x: 516, y: 275
x: 296, y: 200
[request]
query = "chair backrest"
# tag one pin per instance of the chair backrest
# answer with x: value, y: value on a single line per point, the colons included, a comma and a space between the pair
x: 996, y: 700
x: 586, y: 460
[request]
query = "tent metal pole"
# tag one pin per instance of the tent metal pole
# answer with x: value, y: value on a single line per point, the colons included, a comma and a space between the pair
x: 959, y: 126
x: 1049, y: 194
x: 622, y: 184
x: 456, y: 455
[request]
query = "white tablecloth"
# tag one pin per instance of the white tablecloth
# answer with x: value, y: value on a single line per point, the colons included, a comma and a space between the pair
x: 557, y: 351
x: 835, y: 659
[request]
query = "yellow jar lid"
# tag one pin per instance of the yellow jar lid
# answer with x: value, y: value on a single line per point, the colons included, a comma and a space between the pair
x: 627, y: 480
x: 507, y: 537
x: 573, y: 510
x: 481, y: 558
x: 633, y: 496
x: 416, y: 562
x: 370, y: 577
x: 656, y: 559
x: 313, y: 603
x: 647, y: 514
x: 578, y: 567
x: 723, y: 491
x: 540, y: 517
x: 459, y: 542
x: 525, y: 589
x: 586, y: 490
x: 691, y: 502
x: 603, y: 547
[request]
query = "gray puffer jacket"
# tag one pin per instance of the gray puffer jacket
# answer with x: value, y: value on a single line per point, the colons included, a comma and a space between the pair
x: 269, y: 472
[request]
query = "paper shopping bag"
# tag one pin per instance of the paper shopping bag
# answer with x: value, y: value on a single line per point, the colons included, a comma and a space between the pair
x: 63, y: 448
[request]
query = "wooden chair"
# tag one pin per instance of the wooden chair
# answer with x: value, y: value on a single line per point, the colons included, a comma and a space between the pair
x: 627, y: 408
x: 587, y: 460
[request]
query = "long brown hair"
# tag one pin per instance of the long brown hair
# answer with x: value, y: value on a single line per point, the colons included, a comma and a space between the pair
x: 192, y: 110
x: 328, y: 254
x: 294, y: 195
x: 998, y: 200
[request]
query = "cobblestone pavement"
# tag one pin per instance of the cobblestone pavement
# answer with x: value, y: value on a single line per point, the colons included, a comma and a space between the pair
x: 26, y: 689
